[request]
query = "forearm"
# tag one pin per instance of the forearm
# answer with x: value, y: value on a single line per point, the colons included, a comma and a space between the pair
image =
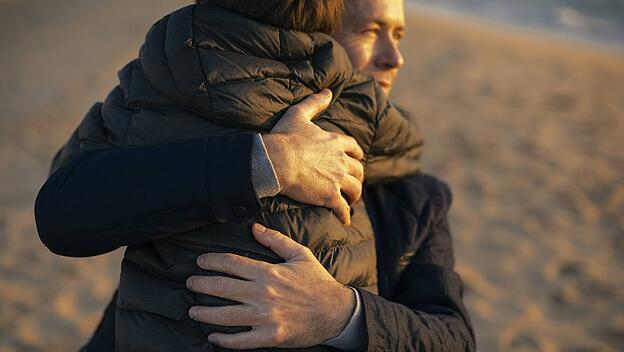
x: 104, y: 200
x: 426, y: 315
x: 393, y: 326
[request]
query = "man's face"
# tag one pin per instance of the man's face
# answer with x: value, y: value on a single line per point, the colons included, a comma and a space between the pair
x: 370, y: 32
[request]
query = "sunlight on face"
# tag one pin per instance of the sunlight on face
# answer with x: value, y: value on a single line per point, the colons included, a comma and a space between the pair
x: 370, y: 32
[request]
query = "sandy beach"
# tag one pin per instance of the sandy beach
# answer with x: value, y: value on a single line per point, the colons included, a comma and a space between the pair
x: 527, y: 129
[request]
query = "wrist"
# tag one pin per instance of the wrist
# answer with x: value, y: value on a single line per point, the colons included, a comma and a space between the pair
x: 345, y: 306
x: 276, y: 145
x: 353, y: 336
x: 263, y: 177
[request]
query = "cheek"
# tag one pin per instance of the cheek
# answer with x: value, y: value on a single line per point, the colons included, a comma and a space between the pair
x: 360, y: 54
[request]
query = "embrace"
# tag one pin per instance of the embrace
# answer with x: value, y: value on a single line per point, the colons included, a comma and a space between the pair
x: 268, y: 193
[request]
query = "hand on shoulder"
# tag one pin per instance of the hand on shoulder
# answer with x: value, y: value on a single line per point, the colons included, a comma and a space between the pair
x: 314, y: 166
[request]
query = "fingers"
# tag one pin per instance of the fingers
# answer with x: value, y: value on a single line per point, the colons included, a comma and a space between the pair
x: 233, y: 315
x: 355, y: 169
x: 352, y: 189
x: 224, y: 287
x: 283, y: 246
x: 351, y: 147
x: 341, y: 208
x: 232, y: 264
x: 242, y: 341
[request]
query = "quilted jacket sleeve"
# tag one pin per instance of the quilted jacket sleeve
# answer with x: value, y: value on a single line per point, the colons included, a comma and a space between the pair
x: 422, y: 308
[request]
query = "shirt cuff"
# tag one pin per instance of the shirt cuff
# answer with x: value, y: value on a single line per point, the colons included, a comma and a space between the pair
x: 353, y: 337
x: 263, y: 176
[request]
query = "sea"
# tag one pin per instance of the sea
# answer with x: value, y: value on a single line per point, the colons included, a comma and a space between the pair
x: 598, y: 21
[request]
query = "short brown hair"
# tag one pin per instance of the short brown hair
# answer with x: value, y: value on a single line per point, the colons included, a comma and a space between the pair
x: 298, y: 15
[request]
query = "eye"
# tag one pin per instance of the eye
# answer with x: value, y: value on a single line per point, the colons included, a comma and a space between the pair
x: 370, y: 30
x: 398, y: 35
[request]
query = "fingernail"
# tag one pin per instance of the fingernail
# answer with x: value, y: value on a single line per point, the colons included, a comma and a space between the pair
x: 189, y: 282
x: 193, y: 313
x: 212, y: 339
x: 200, y: 260
x: 326, y: 92
x: 259, y: 228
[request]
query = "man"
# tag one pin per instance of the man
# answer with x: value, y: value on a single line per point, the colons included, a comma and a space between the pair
x: 370, y: 32
x: 417, y: 275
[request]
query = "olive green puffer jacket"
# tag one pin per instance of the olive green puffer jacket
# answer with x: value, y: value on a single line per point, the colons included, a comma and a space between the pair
x: 206, y: 71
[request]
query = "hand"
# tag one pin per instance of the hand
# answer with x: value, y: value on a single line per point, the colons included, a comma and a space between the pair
x: 293, y: 304
x: 314, y: 166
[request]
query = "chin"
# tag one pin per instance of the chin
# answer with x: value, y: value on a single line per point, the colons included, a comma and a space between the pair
x: 386, y: 90
x: 385, y: 86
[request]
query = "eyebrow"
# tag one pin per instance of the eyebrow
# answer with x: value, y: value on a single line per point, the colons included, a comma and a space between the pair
x: 360, y: 20
x: 385, y: 23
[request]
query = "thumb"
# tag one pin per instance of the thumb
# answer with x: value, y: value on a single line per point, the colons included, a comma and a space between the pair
x: 282, y: 245
x: 305, y: 111
x: 315, y: 104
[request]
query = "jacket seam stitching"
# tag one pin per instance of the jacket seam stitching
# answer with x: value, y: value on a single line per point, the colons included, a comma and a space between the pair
x: 342, y: 246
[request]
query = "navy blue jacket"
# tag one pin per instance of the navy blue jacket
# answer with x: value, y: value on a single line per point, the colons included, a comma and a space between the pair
x: 143, y: 193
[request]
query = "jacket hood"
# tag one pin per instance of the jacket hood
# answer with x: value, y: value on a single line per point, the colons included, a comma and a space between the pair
x: 205, y: 71
x: 194, y: 58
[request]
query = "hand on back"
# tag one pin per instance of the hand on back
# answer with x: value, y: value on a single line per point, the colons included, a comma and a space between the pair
x: 283, y: 310
x: 314, y: 166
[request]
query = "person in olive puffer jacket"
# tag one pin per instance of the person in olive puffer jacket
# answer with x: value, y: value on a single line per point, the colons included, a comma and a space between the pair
x: 205, y: 71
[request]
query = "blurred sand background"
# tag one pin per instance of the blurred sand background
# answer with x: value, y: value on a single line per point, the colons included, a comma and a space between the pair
x: 527, y: 129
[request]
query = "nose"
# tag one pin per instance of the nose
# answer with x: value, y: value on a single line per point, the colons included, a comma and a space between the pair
x: 389, y: 55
